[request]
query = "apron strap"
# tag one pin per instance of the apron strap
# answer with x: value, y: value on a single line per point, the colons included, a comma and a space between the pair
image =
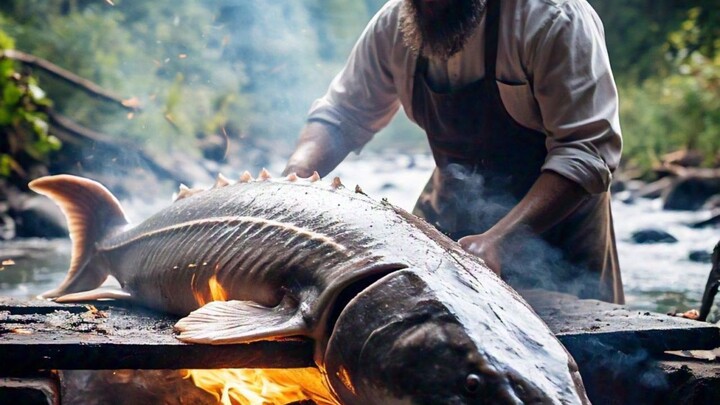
x: 492, y: 28
x: 421, y: 66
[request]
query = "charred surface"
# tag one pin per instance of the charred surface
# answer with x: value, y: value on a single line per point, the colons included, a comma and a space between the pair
x: 617, y: 349
x: 579, y: 323
x: 43, y: 335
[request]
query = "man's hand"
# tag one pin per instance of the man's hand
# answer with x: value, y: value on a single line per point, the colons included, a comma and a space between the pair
x: 550, y: 199
x: 484, y: 247
x: 319, y: 148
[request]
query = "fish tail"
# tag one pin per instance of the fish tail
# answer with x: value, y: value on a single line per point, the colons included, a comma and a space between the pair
x: 92, y: 211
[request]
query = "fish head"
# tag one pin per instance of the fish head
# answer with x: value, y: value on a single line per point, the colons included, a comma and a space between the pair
x: 405, y: 341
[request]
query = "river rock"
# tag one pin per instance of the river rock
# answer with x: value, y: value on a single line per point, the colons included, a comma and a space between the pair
x: 712, y: 203
x: 7, y: 227
x: 40, y: 217
x: 713, y: 221
x: 617, y: 186
x: 652, y: 236
x: 700, y: 256
x: 654, y: 189
x: 690, y: 192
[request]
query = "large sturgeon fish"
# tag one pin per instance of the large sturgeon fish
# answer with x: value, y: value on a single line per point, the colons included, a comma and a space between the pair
x: 399, y: 313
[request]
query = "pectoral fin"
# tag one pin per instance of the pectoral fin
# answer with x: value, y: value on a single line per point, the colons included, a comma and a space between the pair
x: 228, y: 322
x: 96, y: 294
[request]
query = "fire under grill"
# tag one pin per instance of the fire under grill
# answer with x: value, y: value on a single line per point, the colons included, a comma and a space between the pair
x: 623, y: 354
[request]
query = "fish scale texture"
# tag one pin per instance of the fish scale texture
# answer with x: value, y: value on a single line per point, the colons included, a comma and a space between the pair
x: 264, y: 234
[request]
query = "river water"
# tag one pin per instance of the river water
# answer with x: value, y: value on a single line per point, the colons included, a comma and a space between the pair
x: 657, y: 277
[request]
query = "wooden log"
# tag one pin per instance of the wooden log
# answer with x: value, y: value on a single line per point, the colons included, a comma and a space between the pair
x: 71, y: 78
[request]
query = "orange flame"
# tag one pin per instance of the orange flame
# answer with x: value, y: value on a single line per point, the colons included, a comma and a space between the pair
x: 257, y: 386
x: 263, y: 386
x: 217, y: 292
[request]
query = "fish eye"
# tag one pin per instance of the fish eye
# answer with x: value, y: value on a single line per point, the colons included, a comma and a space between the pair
x: 473, y: 384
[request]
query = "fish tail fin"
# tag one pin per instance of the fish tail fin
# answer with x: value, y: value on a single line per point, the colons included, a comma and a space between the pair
x: 92, y: 211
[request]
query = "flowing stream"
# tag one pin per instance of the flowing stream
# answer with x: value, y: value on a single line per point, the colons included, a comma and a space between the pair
x: 657, y: 277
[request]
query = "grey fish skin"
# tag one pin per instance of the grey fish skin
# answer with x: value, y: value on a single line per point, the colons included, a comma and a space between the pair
x: 398, y: 312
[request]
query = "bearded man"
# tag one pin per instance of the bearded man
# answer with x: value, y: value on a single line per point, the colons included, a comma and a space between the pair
x: 520, y: 109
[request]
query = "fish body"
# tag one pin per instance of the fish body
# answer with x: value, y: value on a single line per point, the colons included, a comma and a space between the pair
x: 398, y: 312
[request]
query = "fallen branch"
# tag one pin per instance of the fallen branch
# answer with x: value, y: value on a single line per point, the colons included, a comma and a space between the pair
x: 70, y: 131
x: 87, y: 86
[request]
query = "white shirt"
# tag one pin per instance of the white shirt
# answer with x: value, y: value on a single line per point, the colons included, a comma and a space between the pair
x: 552, y: 70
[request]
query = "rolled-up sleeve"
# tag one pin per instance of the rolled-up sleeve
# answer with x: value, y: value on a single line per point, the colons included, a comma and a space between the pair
x: 362, y: 98
x: 576, y: 93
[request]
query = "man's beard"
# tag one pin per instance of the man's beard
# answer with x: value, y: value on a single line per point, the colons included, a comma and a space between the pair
x: 441, y: 35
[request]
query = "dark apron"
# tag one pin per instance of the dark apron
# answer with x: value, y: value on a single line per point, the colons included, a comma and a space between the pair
x: 485, y: 164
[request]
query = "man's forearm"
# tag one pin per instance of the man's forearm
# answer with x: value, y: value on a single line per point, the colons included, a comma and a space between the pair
x: 318, y: 149
x: 551, y: 199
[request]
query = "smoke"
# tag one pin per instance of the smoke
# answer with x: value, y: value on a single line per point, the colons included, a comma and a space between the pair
x: 529, y: 260
x: 621, y: 372
x: 91, y: 387
x: 275, y: 47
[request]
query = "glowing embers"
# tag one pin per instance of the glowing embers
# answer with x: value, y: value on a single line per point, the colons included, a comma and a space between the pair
x: 263, y: 386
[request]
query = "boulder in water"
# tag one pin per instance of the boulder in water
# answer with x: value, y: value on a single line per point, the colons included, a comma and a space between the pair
x: 700, y: 256
x: 691, y: 192
x: 40, y: 217
x: 652, y: 236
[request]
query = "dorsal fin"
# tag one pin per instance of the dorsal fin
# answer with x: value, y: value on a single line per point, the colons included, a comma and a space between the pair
x: 264, y: 175
x: 91, y: 212
x: 246, y: 177
x: 185, y: 192
x: 221, y: 181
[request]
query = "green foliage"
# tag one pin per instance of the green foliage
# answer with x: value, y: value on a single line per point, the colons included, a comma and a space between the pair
x: 167, y: 54
x: 249, y: 69
x: 23, y: 125
x: 699, y: 33
x: 679, y: 110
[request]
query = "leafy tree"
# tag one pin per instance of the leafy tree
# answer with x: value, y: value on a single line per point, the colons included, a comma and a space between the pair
x: 25, y: 142
x: 247, y: 71
x: 681, y: 109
